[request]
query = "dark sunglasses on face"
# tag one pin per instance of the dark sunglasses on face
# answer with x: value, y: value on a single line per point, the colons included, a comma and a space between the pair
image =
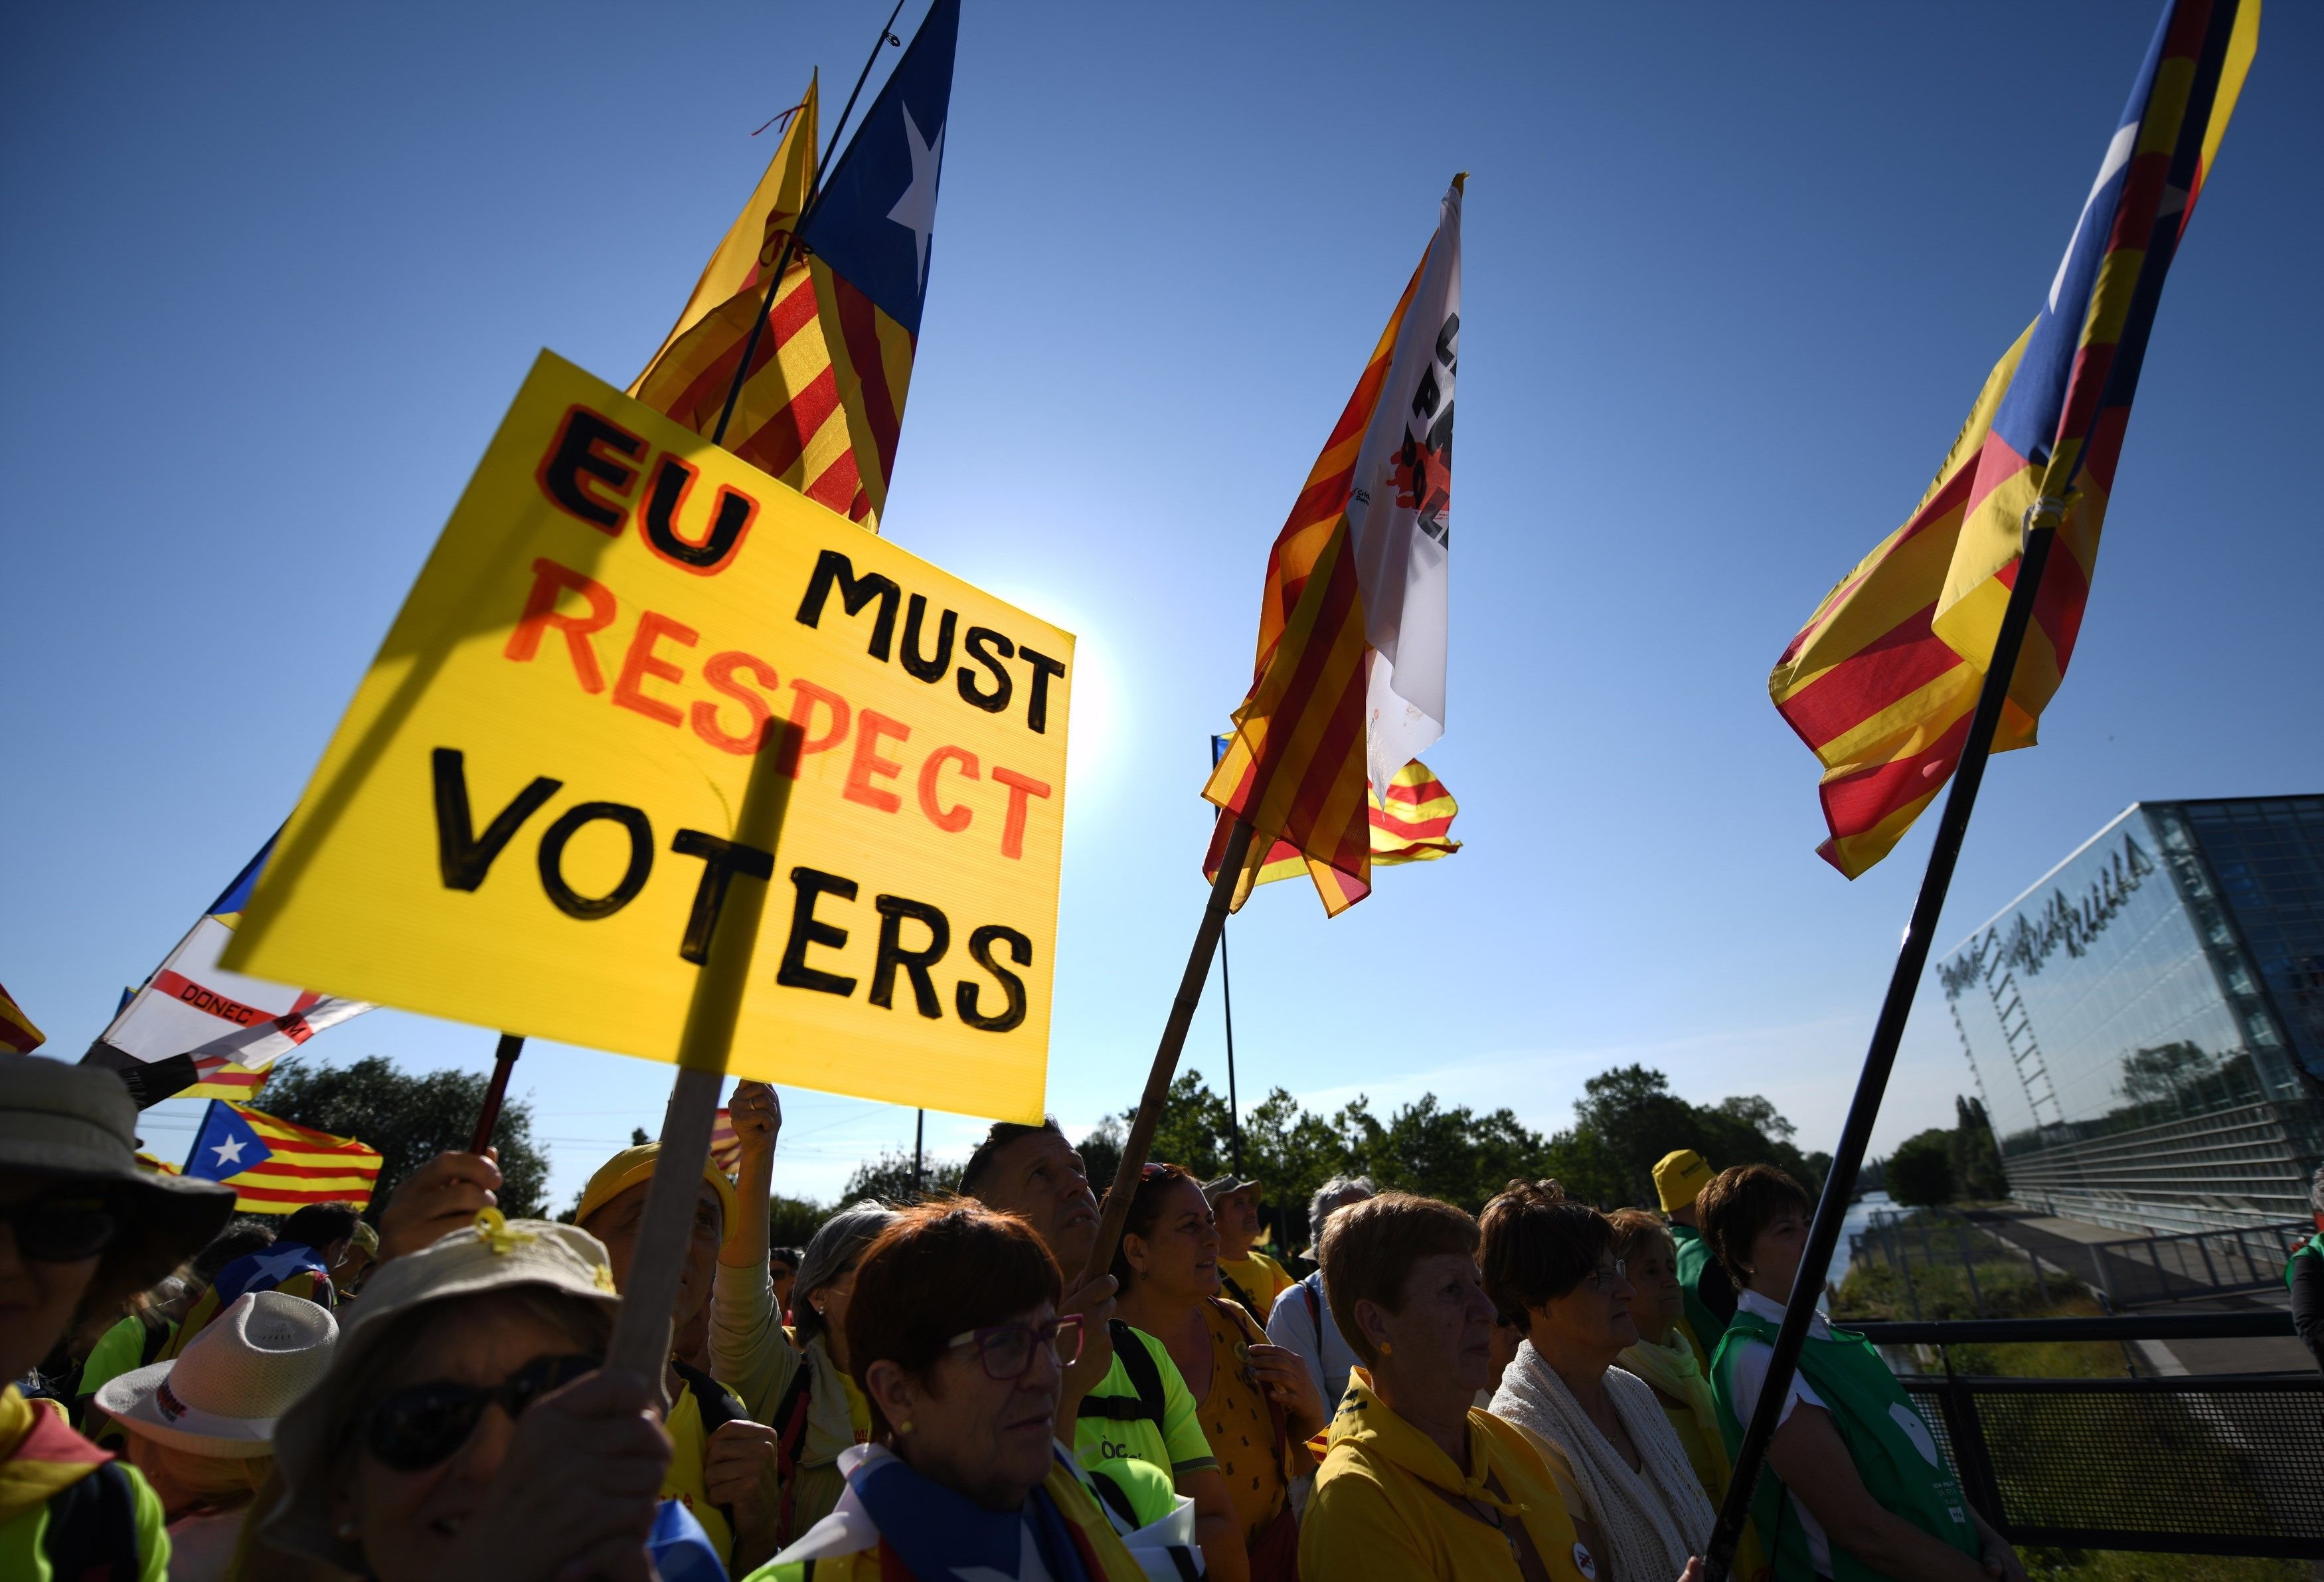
x: 1007, y: 1350
x: 63, y: 1227
x: 420, y: 1425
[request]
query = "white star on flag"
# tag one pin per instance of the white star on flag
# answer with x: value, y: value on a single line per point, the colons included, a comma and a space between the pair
x: 915, y: 210
x: 229, y: 1152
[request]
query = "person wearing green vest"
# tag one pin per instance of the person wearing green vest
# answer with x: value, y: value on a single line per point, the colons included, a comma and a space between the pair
x: 1856, y: 1487
x: 2305, y: 1275
x: 1680, y: 1177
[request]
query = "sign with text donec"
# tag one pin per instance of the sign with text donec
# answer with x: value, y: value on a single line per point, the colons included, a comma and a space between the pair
x: 527, y: 819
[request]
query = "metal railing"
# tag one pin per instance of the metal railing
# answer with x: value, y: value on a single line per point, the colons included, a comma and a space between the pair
x: 2130, y: 1272
x: 2196, y: 1464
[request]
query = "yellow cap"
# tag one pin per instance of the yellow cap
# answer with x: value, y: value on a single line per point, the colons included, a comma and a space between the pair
x: 1680, y: 1177
x: 634, y: 1166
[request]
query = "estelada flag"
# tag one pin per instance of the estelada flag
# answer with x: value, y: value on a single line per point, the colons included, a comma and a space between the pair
x: 1883, y: 679
x: 1413, y: 824
x: 1349, y: 679
x: 222, y: 1020
x: 219, y: 1077
x: 17, y: 1034
x: 277, y: 1167
x: 823, y: 402
x: 293, y: 1268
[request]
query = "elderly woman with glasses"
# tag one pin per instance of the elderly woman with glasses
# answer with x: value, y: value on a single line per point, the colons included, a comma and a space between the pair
x: 1550, y: 1263
x: 954, y: 1337
x: 465, y: 1428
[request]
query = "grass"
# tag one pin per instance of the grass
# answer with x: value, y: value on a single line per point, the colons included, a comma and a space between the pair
x: 2065, y: 1565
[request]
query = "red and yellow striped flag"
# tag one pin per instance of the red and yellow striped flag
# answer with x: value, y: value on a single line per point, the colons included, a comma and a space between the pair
x: 1367, y: 530
x: 725, y: 1146
x: 219, y: 1077
x: 17, y: 1034
x: 1882, y: 681
x: 1413, y: 824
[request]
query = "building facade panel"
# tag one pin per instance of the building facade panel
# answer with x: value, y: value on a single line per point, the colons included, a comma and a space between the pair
x: 2125, y: 1018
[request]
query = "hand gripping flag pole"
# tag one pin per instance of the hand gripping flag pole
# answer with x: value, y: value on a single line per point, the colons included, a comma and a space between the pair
x: 2041, y: 525
x: 1140, y: 1140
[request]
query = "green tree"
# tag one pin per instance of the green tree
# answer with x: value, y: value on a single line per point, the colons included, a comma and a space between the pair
x: 1976, y: 1157
x: 1920, y: 1170
x: 1101, y: 1153
x: 409, y: 1119
x: 792, y: 1222
x: 889, y: 1179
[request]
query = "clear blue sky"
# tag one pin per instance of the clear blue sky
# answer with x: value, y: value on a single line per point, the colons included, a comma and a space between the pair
x: 1733, y: 276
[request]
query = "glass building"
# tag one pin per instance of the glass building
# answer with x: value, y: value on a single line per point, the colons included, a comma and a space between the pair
x: 2147, y: 1023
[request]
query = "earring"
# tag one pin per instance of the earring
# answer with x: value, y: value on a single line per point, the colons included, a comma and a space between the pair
x: 904, y: 1426
x: 1385, y: 1348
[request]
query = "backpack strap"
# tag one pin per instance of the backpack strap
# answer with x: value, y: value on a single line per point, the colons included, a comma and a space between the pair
x: 1144, y: 1377
x: 791, y: 1412
x: 92, y: 1533
x: 1236, y: 1292
x: 1115, y: 1498
x: 712, y: 1399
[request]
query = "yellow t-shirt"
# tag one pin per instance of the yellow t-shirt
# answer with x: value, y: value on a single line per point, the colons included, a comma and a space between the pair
x: 1389, y: 1505
x: 859, y: 1408
x: 1236, y: 1422
x: 1257, y: 1280
x: 683, y: 1482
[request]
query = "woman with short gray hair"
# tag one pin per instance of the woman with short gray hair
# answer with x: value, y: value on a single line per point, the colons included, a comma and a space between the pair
x: 1301, y: 1320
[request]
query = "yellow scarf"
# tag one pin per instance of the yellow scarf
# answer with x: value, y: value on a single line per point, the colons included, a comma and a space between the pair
x: 1672, y: 1368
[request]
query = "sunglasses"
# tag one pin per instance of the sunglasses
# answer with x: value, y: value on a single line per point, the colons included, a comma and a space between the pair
x: 63, y: 1228
x: 1007, y: 1350
x: 419, y: 1426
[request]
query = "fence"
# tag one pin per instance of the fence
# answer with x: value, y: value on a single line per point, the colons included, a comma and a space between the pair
x: 2128, y: 1274
x: 2208, y: 1464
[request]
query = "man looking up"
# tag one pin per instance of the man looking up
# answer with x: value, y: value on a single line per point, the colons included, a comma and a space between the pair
x: 1250, y: 1276
x: 1118, y: 1405
x: 1680, y: 1177
x: 718, y: 1457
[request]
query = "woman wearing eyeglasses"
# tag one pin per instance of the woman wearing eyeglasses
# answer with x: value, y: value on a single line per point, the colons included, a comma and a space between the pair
x: 1550, y: 1263
x: 954, y: 1337
x: 1256, y: 1403
x: 466, y: 1430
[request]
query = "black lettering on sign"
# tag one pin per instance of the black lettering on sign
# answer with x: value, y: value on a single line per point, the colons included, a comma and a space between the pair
x: 810, y: 884
x: 834, y: 570
x: 729, y: 521
x: 571, y: 901
x: 926, y: 669
x: 1037, y: 706
x: 893, y: 911
x: 980, y: 643
x: 462, y: 856
x: 580, y: 454
x: 980, y: 947
x: 721, y: 861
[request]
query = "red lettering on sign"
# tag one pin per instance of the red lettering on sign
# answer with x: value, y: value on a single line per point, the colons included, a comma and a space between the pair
x: 870, y: 725
x: 798, y: 741
x: 548, y: 581
x: 954, y: 819
x: 1020, y: 788
x: 718, y: 674
x: 641, y: 662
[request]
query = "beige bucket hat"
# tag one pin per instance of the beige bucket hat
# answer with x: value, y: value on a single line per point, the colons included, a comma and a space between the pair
x: 222, y: 1395
x: 493, y: 1255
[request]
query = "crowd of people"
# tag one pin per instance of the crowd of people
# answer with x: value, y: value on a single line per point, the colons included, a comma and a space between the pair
x: 1542, y: 1393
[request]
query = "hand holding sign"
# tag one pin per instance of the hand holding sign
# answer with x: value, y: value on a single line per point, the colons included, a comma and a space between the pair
x: 533, y: 813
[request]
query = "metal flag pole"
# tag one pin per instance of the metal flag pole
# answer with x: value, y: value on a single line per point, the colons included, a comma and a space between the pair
x: 790, y: 237
x: 2040, y: 528
x: 1140, y: 1140
x: 503, y: 1059
x: 919, y: 1135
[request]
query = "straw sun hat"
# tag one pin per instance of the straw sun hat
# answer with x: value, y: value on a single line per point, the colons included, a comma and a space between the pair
x: 244, y: 1371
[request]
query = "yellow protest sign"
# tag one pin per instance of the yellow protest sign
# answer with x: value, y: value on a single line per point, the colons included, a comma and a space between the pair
x: 527, y: 818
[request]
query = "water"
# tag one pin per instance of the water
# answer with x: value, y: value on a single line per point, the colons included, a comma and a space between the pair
x: 1859, y: 1214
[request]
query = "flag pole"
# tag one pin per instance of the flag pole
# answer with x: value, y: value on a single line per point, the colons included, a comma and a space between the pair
x: 919, y: 1135
x: 1234, y: 1105
x: 503, y: 1059
x: 1140, y: 1140
x: 2040, y: 528
x: 790, y: 237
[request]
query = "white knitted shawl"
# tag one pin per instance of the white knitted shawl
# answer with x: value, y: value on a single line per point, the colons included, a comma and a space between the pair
x: 1652, y: 1520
